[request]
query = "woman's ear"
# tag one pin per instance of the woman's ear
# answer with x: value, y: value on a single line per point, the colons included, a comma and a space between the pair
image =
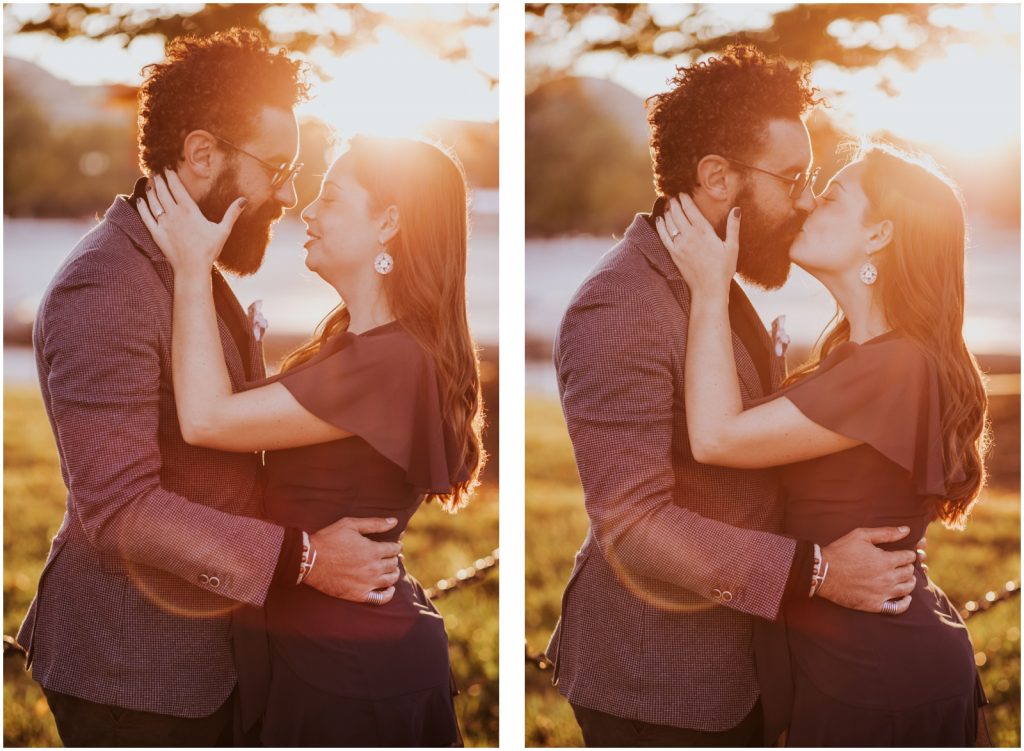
x: 880, y: 237
x: 390, y: 224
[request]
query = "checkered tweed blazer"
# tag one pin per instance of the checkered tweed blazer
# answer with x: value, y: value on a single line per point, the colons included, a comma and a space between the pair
x: 657, y: 617
x: 157, y: 546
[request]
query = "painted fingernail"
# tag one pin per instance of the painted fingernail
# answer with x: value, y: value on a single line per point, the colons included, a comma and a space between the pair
x: 737, y: 212
x: 244, y: 202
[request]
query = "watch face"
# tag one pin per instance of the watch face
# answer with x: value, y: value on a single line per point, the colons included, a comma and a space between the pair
x: 384, y: 263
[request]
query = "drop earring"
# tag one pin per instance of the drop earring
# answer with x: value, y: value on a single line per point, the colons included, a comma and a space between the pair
x: 383, y: 264
x: 868, y: 273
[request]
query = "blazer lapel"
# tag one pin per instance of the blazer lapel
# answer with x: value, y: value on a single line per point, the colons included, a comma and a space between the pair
x: 255, y: 368
x: 764, y: 343
x: 776, y: 362
x: 128, y: 220
x: 646, y: 239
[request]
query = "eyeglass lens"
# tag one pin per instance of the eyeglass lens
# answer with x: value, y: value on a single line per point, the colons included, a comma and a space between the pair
x: 285, y: 173
x: 802, y: 182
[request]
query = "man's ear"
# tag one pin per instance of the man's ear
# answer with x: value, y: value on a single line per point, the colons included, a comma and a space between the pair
x: 390, y: 224
x: 200, y: 156
x: 717, y: 179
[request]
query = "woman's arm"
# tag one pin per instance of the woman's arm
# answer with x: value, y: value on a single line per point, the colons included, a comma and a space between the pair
x: 721, y: 431
x: 210, y: 415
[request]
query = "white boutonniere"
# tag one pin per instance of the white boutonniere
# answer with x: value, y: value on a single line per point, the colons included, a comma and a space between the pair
x: 257, y: 323
x: 780, y: 339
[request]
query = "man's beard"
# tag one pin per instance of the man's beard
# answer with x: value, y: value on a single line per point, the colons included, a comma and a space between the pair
x: 764, y: 244
x: 247, y: 244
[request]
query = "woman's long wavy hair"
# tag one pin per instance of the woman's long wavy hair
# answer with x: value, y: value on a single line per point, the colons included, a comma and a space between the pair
x: 426, y: 292
x: 921, y: 289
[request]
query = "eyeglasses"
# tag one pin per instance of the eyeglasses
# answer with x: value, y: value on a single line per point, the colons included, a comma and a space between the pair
x: 797, y: 184
x: 279, y: 175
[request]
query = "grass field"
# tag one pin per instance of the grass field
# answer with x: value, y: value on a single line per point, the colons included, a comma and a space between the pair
x: 436, y: 546
x: 964, y: 564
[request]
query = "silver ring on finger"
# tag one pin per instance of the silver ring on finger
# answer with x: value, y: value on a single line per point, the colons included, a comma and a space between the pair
x: 375, y: 598
x: 889, y: 607
x: 677, y: 234
x: 158, y: 211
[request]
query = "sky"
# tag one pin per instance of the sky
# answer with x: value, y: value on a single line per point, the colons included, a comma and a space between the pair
x: 391, y: 87
x: 968, y: 99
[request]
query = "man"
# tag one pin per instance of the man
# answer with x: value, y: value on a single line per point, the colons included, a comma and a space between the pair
x: 161, y: 551
x: 656, y: 642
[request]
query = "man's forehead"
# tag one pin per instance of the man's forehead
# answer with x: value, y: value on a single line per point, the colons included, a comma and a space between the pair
x: 787, y: 146
x: 276, y: 134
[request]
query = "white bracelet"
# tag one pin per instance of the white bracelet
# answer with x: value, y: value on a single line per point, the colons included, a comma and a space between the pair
x: 816, y: 577
x: 308, y: 558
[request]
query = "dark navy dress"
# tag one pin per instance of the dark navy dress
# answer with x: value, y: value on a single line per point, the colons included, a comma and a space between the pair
x: 345, y: 673
x: 863, y: 679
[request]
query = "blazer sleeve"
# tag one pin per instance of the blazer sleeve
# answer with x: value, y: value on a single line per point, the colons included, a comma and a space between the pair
x: 102, y: 346
x: 617, y: 395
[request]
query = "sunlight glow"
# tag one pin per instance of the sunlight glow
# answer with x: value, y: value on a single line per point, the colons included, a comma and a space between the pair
x: 968, y: 100
x: 964, y: 98
x: 392, y: 88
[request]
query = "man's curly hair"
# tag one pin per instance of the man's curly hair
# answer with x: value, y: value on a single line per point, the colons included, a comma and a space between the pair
x: 218, y: 83
x: 721, y: 106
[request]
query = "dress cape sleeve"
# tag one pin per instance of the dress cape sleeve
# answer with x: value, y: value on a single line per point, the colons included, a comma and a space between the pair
x: 886, y: 394
x: 382, y: 387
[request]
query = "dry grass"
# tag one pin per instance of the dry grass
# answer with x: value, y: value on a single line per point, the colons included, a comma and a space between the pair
x: 436, y: 546
x: 965, y: 564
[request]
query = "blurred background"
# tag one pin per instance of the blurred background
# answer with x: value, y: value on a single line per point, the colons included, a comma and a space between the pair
x: 71, y: 73
x: 944, y: 79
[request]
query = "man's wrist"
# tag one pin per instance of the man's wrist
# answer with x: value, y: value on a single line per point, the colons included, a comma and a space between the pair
x: 800, y: 571
x: 290, y: 558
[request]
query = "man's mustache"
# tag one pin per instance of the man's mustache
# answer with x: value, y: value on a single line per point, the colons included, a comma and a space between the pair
x: 269, y: 213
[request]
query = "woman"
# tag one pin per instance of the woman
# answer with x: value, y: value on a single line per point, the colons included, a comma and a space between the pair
x: 884, y: 426
x: 379, y: 411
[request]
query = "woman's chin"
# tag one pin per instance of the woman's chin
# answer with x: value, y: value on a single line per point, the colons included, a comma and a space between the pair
x: 800, y: 255
x: 797, y: 248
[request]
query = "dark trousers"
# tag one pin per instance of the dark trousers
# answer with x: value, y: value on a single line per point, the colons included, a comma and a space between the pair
x: 601, y: 730
x: 84, y: 723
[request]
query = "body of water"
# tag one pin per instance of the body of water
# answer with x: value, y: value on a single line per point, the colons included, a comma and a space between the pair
x: 556, y: 267
x: 294, y: 298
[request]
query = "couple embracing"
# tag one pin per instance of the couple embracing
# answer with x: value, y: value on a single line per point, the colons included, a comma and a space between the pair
x: 200, y: 592
x: 750, y: 573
